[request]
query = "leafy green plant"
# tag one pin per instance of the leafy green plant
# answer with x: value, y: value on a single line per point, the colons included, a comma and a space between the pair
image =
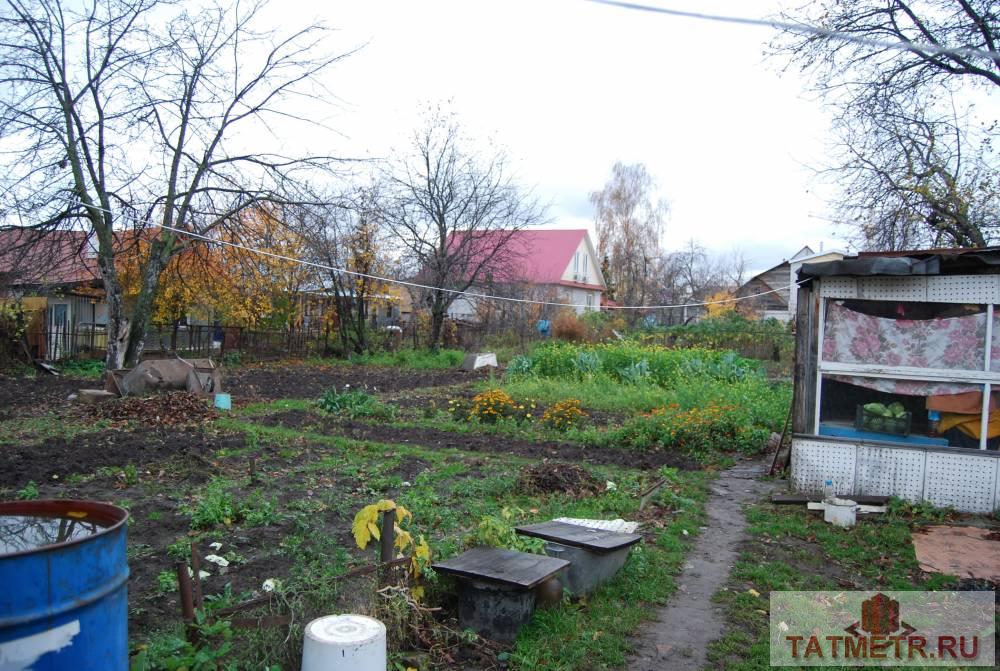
x: 166, y: 582
x: 635, y: 372
x: 498, y: 531
x: 921, y: 510
x: 355, y: 403
x: 29, y: 492
x: 180, y: 550
x: 519, y: 366
x: 215, y: 506
x: 623, y: 361
x: 174, y: 653
x: 93, y: 368
x: 587, y: 362
x: 130, y: 475
x: 232, y: 357
x: 256, y: 511
x: 700, y: 431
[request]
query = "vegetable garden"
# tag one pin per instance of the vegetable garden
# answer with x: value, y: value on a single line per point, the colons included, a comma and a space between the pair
x: 282, y: 489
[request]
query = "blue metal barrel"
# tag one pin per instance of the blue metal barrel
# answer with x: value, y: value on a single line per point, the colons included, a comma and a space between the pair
x: 63, y: 597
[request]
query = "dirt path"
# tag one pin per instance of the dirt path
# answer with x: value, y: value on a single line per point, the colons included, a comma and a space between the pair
x: 678, y: 638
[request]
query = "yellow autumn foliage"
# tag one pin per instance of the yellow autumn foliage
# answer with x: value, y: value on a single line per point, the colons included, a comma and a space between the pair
x: 366, y: 527
x: 220, y: 282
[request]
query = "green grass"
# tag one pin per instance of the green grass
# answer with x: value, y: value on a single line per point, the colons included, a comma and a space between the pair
x: 598, y: 633
x: 451, y: 498
x: 50, y: 425
x: 595, y: 393
x: 792, y: 549
x: 89, y: 368
x: 412, y: 358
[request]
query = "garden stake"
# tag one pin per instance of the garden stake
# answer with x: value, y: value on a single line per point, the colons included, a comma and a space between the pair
x: 387, y: 540
x: 196, y: 572
x: 253, y: 470
x: 187, y: 602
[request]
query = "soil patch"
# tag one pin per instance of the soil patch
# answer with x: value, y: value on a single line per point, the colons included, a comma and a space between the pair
x: 38, y: 394
x: 549, y: 478
x: 86, y: 453
x: 309, y: 381
x: 479, y: 442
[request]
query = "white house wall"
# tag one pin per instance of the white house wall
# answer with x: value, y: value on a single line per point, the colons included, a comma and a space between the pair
x: 592, y: 276
x: 578, y: 297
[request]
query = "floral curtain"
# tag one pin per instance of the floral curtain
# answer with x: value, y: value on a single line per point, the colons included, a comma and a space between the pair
x: 955, y: 343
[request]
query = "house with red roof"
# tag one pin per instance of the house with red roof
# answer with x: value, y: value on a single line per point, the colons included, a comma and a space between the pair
x: 53, y: 275
x: 559, y: 265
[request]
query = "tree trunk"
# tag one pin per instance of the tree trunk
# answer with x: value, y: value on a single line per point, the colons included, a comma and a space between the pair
x: 142, y: 312
x: 117, y: 326
x: 360, y: 342
x: 438, y: 312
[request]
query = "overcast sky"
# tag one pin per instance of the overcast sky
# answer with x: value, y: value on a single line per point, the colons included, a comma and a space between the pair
x: 569, y: 87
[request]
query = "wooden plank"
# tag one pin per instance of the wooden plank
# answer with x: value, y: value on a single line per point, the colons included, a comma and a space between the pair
x: 508, y: 567
x: 595, y: 540
x: 911, y: 373
x: 800, y: 499
x: 804, y: 366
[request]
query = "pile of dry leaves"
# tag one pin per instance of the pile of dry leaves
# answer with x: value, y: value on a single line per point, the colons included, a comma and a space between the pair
x: 554, y: 478
x: 170, y: 409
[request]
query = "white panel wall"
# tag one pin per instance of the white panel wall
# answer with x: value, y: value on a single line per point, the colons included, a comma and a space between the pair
x: 933, y: 289
x: 963, y: 480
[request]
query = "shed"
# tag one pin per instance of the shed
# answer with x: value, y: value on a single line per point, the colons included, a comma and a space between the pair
x: 897, y: 377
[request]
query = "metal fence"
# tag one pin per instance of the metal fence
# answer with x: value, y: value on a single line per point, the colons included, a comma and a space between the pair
x: 89, y: 341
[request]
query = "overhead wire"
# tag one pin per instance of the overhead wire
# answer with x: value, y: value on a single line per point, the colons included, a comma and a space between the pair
x: 770, y: 23
x: 920, y: 47
x: 417, y: 285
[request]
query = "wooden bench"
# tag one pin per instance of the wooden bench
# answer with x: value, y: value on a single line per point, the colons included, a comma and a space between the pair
x: 595, y: 555
x: 497, y: 588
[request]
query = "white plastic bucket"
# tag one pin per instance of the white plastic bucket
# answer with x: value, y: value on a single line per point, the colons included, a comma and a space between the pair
x: 344, y: 643
x: 840, y: 512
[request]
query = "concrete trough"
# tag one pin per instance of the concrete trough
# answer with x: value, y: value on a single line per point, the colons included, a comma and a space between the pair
x: 494, y: 610
x: 595, y: 555
x: 496, y: 588
x: 587, y: 569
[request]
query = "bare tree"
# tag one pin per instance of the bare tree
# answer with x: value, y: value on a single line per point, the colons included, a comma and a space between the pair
x: 911, y: 177
x: 912, y: 181
x: 456, y: 214
x: 123, y: 115
x: 347, y: 233
x: 629, y: 221
x: 865, y: 70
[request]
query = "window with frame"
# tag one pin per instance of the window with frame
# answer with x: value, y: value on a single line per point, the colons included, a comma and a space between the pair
x: 910, y: 372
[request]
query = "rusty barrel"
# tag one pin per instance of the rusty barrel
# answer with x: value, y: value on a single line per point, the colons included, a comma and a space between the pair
x: 63, y: 604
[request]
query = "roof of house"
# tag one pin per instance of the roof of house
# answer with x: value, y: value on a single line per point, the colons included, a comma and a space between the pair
x: 539, y: 256
x: 30, y: 257
x: 955, y: 261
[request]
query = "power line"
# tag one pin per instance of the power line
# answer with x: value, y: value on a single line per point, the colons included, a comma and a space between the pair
x: 918, y: 47
x: 417, y: 285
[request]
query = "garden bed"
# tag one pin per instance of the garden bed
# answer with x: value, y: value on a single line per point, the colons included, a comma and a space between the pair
x: 478, y: 442
x: 278, y: 481
x: 298, y: 380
